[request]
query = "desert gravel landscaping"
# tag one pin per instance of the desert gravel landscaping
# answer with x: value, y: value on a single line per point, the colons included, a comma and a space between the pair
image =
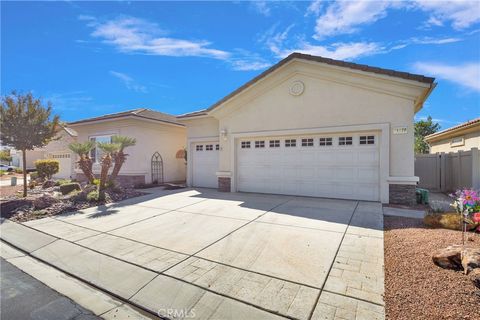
x: 415, y: 288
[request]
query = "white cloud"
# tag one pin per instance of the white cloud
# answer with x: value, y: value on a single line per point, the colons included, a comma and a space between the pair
x: 466, y: 75
x: 69, y: 100
x: 462, y: 14
x: 128, y: 82
x: 339, y: 51
x: 246, y: 64
x: 342, y: 17
x: 261, y: 7
x: 425, y: 40
x: 133, y: 35
x: 314, y: 8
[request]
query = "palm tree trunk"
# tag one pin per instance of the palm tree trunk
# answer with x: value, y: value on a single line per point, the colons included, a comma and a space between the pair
x: 119, y: 161
x: 106, y: 164
x: 24, y: 158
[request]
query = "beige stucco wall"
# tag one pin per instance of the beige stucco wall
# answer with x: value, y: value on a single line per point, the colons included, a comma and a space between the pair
x: 151, y: 136
x: 332, y: 97
x: 60, y: 145
x: 205, y: 127
x: 472, y: 140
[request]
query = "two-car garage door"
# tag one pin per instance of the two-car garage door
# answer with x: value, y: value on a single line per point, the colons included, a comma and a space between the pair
x: 334, y: 165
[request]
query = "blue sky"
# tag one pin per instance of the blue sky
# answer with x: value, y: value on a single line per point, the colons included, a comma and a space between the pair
x: 92, y: 58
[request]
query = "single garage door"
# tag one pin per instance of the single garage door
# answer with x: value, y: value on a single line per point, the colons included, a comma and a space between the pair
x: 335, y: 165
x: 205, y: 164
x: 65, y: 165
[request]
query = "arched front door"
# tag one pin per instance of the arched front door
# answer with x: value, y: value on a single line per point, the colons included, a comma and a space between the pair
x: 157, y: 168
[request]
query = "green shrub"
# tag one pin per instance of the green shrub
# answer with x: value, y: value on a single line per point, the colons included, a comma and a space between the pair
x: 18, y: 170
x: 34, y: 175
x: 96, y: 182
x: 66, y: 188
x: 2, y: 172
x: 46, y: 168
x: 92, y: 196
x: 62, y: 182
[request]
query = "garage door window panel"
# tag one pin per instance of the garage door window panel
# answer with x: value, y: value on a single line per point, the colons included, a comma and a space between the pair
x: 289, y: 143
x: 199, y: 147
x: 209, y: 147
x: 245, y: 144
x: 307, y: 142
x: 367, y: 140
x: 345, y: 141
x: 325, y: 142
x: 259, y: 144
x: 274, y: 143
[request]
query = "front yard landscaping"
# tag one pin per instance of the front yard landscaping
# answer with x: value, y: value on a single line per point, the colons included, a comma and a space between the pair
x: 47, y: 199
x: 416, y: 288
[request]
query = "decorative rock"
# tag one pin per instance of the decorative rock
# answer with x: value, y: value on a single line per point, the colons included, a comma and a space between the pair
x: 449, y: 258
x: 458, y: 257
x: 48, y: 184
x: 44, y: 201
x: 448, y: 220
x: 6, y: 207
x: 470, y: 259
x: 69, y: 187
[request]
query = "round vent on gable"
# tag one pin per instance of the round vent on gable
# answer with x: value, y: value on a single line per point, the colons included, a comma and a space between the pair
x: 296, y: 88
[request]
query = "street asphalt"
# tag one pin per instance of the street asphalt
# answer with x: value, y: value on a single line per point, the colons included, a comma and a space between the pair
x: 24, y: 297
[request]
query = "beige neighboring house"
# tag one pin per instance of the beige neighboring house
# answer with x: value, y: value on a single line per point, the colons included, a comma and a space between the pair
x: 463, y: 137
x: 153, y: 159
x: 312, y: 126
x: 57, y: 149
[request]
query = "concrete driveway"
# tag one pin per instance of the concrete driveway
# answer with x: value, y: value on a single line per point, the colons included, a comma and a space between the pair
x: 198, y: 252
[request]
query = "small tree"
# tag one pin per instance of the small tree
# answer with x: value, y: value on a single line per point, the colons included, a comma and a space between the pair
x: 46, y: 168
x: 26, y: 124
x: 106, y: 163
x: 85, y: 162
x: 5, y: 156
x: 119, y: 156
x: 422, y: 129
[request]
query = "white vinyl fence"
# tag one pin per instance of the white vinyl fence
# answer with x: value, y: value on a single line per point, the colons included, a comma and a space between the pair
x: 447, y: 172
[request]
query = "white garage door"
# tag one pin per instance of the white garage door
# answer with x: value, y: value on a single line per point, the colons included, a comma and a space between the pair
x: 335, y: 166
x: 65, y: 163
x: 205, y: 164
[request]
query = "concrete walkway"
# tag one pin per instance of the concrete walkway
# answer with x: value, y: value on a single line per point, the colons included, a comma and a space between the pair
x: 222, y: 255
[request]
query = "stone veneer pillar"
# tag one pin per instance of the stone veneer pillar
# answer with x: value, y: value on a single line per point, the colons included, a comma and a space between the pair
x: 224, y: 184
x: 402, y: 194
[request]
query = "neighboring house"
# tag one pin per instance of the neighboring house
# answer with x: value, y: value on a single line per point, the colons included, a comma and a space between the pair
x: 57, y: 149
x: 312, y: 126
x: 463, y: 137
x: 153, y: 159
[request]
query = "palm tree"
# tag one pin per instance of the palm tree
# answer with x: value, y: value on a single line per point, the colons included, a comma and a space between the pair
x: 119, y: 157
x: 85, y: 162
x: 106, y: 163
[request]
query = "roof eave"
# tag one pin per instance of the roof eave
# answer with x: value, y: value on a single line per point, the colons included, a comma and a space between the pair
x: 452, y: 131
x: 128, y: 116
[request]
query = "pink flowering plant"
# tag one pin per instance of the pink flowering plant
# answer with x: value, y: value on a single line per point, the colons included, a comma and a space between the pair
x: 467, y: 202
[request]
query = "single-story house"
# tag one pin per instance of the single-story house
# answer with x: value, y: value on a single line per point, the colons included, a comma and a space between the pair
x: 56, y: 149
x: 311, y: 126
x: 462, y: 137
x: 153, y: 159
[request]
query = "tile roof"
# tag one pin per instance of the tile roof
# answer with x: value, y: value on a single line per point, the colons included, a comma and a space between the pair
x: 454, y: 128
x: 141, y: 113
